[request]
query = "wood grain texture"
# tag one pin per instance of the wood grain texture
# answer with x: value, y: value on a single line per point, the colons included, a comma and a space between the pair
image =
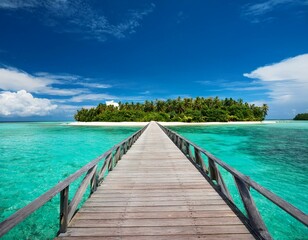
x: 155, y: 192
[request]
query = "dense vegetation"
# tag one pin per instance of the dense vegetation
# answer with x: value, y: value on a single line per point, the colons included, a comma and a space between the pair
x: 197, y: 109
x: 301, y: 116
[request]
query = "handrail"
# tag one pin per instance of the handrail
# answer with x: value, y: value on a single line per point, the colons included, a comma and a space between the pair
x: 242, y: 181
x: 93, y: 177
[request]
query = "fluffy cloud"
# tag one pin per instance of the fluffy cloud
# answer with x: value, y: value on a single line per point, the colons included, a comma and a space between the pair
x: 23, y: 104
x: 14, y: 80
x: 295, y: 69
x: 287, y: 84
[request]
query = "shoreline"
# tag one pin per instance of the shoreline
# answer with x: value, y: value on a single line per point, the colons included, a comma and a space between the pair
x: 134, y: 124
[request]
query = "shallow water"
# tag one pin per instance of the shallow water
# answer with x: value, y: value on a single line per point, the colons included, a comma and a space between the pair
x: 274, y: 155
x: 36, y: 156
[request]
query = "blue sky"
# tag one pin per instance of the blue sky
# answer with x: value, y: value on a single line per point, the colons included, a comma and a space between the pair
x: 57, y: 56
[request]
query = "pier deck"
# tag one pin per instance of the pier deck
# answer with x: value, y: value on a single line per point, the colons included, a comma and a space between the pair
x: 155, y: 192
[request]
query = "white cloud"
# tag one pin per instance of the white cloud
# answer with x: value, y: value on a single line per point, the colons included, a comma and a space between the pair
x: 92, y: 97
x: 286, y: 82
x: 102, y: 96
x: 295, y: 68
x: 14, y: 4
x: 73, y: 79
x: 23, y: 104
x: 112, y: 103
x: 257, y: 11
x: 81, y: 17
x: 14, y: 80
x: 94, y: 85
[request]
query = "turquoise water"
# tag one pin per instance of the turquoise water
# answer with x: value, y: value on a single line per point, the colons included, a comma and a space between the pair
x: 274, y: 155
x: 36, y: 156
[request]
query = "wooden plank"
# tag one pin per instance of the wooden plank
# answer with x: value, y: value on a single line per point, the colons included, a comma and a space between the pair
x: 155, y: 192
x: 156, y: 222
x: 164, y: 214
x: 153, y: 231
x: 156, y: 208
x: 154, y: 203
x: 120, y: 198
x: 169, y: 237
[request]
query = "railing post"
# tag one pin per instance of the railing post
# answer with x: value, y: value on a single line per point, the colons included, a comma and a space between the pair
x: 178, y: 142
x: 121, y: 151
x: 199, y: 160
x: 94, y: 183
x: 186, y: 147
x: 189, y: 152
x: 64, y: 210
x: 216, y: 175
x: 254, y: 216
x: 183, y: 146
x: 115, y: 159
x: 213, y: 170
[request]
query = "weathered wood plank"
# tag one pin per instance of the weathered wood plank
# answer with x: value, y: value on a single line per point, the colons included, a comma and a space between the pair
x: 120, y: 198
x: 156, y: 222
x: 164, y: 214
x: 155, y: 208
x: 169, y: 237
x: 150, y: 231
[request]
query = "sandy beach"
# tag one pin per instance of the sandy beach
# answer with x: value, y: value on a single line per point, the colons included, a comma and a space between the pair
x: 106, y: 124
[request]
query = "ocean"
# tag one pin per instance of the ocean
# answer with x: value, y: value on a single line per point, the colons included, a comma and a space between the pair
x: 273, y: 155
x: 36, y: 156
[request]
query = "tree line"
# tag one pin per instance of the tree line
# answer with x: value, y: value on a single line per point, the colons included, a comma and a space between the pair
x: 301, y: 116
x: 197, y: 109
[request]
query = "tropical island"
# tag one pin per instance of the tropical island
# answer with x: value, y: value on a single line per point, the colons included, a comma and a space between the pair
x: 301, y: 116
x: 197, y: 109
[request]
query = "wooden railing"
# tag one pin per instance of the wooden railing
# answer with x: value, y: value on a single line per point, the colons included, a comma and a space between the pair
x: 243, y: 183
x: 93, y: 177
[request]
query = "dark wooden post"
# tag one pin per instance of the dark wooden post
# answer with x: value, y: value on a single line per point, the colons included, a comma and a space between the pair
x: 198, y: 158
x: 64, y: 210
x: 213, y: 170
x: 94, y: 183
x: 183, y: 146
x: 216, y: 175
x: 253, y: 215
x: 189, y: 152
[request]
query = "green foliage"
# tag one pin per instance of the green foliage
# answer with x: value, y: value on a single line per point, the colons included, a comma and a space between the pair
x: 197, y: 109
x: 301, y: 116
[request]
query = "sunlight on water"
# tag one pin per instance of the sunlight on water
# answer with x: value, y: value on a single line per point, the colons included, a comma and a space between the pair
x: 274, y: 155
x: 36, y: 156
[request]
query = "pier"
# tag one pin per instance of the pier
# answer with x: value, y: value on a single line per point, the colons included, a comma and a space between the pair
x: 158, y: 186
x: 155, y: 192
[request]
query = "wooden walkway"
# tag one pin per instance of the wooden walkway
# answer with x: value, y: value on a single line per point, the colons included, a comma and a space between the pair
x: 155, y: 193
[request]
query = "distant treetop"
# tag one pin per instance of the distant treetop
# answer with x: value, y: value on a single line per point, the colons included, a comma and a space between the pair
x: 197, y: 109
x: 301, y: 116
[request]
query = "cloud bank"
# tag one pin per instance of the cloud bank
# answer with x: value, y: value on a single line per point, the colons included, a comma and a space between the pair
x: 23, y: 104
x: 13, y: 80
x: 287, y: 82
x: 17, y: 88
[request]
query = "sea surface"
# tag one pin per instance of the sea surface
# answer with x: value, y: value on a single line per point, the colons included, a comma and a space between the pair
x: 36, y: 156
x: 274, y: 155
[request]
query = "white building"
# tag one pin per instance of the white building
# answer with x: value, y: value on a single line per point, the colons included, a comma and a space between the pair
x: 112, y: 103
